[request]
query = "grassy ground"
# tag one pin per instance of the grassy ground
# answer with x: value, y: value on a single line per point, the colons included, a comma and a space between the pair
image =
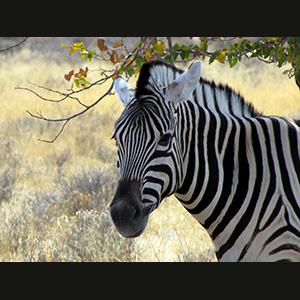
x: 54, y: 198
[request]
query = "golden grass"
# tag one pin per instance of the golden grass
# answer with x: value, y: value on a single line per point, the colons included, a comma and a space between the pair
x: 55, y: 197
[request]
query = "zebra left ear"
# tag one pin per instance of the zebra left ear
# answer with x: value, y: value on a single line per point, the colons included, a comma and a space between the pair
x: 181, y: 89
x: 124, y: 90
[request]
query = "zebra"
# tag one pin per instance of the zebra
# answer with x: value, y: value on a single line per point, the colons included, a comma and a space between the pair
x: 234, y: 169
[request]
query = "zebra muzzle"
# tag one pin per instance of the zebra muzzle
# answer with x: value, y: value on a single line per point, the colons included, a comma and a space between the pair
x: 128, y: 213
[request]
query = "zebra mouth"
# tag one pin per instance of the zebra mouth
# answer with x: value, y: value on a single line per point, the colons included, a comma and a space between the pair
x: 128, y: 213
x: 133, y: 230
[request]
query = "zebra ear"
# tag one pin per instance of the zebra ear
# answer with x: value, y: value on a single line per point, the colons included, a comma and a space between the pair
x: 182, y: 87
x: 124, y: 91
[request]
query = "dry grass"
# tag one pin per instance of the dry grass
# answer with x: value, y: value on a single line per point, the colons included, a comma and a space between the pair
x: 54, y: 197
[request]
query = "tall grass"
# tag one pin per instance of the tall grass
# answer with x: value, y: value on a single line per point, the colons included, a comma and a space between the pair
x: 54, y: 198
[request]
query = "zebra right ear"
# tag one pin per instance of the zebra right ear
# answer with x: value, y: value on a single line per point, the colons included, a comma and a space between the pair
x: 182, y: 87
x: 124, y: 90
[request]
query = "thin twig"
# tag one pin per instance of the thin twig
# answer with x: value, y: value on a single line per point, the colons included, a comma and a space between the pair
x: 64, y: 95
x: 40, y: 116
x: 171, y: 50
x: 15, y: 45
x: 61, y: 130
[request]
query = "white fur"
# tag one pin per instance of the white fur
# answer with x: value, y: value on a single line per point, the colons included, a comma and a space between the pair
x: 181, y: 89
x: 124, y: 91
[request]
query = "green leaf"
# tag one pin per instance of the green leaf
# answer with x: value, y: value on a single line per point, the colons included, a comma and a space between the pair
x: 120, y: 70
x: 85, y: 80
x: 213, y: 56
x: 175, y: 47
x: 249, y: 47
x: 90, y: 56
x: 255, y: 44
x: 183, y: 52
x: 233, y: 62
x: 77, y: 83
x: 268, y: 51
x: 130, y: 71
x: 281, y: 61
x: 204, y: 47
x: 139, y: 62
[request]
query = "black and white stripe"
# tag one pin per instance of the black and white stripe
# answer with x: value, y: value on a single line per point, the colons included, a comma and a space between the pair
x: 235, y: 170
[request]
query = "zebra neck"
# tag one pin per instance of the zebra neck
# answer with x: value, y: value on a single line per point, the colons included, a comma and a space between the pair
x: 209, y: 129
x: 213, y: 149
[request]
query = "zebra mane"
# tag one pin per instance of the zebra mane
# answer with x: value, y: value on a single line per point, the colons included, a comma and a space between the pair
x: 215, y: 97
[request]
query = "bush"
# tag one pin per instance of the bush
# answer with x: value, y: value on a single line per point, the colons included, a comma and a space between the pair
x: 71, y: 223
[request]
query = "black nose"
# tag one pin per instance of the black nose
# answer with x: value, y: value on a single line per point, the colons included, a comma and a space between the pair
x: 127, y: 211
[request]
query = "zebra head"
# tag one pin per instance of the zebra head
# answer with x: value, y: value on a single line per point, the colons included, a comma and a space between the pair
x: 149, y: 154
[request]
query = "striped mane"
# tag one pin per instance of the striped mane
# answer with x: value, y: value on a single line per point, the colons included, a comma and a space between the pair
x: 220, y: 98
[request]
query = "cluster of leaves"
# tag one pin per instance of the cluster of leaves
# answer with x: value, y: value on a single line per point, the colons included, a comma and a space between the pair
x: 80, y: 79
x: 83, y: 51
x: 279, y: 50
x: 124, y: 61
x: 130, y: 62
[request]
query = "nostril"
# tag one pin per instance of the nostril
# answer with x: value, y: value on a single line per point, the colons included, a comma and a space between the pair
x: 125, y: 212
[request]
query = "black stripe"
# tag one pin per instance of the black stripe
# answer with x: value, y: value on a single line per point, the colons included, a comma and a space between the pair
x: 271, y: 168
x: 212, y: 162
x: 241, y: 190
x: 245, y: 219
x: 152, y: 192
x: 192, y: 156
x: 293, y: 140
x: 274, y: 214
x: 284, y: 247
x: 222, y: 131
x: 284, y: 173
x: 228, y: 167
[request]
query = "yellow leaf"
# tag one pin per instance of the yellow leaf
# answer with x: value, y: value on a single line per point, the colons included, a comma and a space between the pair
x: 221, y: 57
x: 137, y: 44
x: 117, y: 45
x: 75, y: 47
x: 136, y: 72
x: 121, y: 57
x: 147, y: 54
x: 159, y: 47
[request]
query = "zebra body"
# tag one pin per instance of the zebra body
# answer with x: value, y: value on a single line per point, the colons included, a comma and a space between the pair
x: 235, y: 170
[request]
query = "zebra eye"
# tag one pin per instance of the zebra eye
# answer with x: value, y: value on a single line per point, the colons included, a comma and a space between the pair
x: 165, y: 139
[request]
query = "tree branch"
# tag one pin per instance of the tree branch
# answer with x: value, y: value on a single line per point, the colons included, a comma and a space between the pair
x: 15, y: 45
x: 170, y: 49
x: 40, y: 116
